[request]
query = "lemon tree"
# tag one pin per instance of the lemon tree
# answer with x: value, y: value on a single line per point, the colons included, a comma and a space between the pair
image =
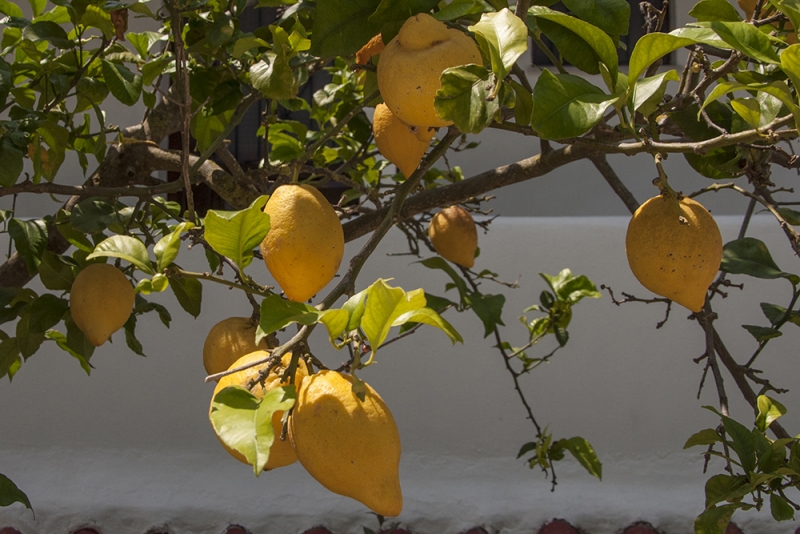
x: 407, y: 81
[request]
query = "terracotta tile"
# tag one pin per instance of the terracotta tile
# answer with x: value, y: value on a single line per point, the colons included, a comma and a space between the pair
x: 86, y: 530
x: 236, y: 529
x: 640, y: 528
x: 397, y: 530
x: 318, y: 530
x: 733, y: 528
x: 558, y: 526
x: 9, y: 530
x: 476, y: 530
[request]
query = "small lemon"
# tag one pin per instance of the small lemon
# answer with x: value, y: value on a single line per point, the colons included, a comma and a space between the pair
x: 281, y: 453
x: 412, y: 63
x: 351, y: 447
x: 305, y: 242
x: 227, y: 341
x: 100, y: 301
x: 373, y: 47
x: 397, y: 142
x: 454, y: 236
x: 675, y: 255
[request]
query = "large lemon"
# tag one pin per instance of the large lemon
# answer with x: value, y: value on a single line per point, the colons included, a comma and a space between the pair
x: 100, y: 301
x: 351, y: 447
x: 281, y: 453
x: 397, y: 142
x: 454, y: 236
x: 675, y: 255
x: 412, y: 63
x: 227, y: 341
x: 305, y: 242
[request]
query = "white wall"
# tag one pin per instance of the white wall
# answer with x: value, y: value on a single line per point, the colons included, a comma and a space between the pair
x: 130, y: 447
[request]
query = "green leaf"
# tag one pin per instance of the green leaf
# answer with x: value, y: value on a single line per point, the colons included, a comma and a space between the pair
x: 790, y: 63
x: 725, y: 487
x: 74, y: 343
x: 28, y: 341
x: 652, y: 47
x: 504, y: 38
x: 93, y: 215
x: 244, y: 423
x: 714, y: 520
x: 10, y: 493
x: 9, y: 357
x: 285, y: 147
x: 778, y: 89
x: 488, y: 308
x: 747, y: 39
x: 94, y: 16
x: 189, y: 292
x: 780, y: 508
x: 761, y: 333
x: 648, y: 92
x: 584, y: 453
x: 341, y: 27
x: 277, y: 313
x: 751, y: 257
x: 48, y: 31
x: 768, y: 410
x: 569, y: 288
x: 11, y: 161
x: 143, y: 41
x: 711, y: 10
x: 742, y: 442
x: 457, y: 9
x: 30, y: 239
x: 566, y: 105
x: 46, y: 312
x: 127, y: 248
x: 611, y: 16
x: 464, y: 97
x: 55, y: 271
x: 429, y: 317
x: 206, y: 127
x: 581, y: 43
x: 235, y: 234
x: 273, y: 77
x: 749, y: 109
x: 384, y: 305
x: 392, y: 10
x: 336, y: 322
x: 123, y: 84
x: 523, y: 103
x: 792, y: 216
x: 708, y: 436
x: 130, y: 336
x: 167, y: 248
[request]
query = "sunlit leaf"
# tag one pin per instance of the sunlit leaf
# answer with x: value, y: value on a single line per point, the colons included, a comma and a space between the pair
x: 235, y: 234
x: 124, y: 247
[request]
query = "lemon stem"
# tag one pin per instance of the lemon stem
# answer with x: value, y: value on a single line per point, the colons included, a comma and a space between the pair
x: 663, y: 184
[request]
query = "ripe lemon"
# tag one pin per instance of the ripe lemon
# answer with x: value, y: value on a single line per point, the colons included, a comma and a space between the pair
x: 305, y: 242
x: 373, y: 47
x: 454, y: 236
x: 349, y: 446
x: 227, y: 341
x: 281, y: 453
x: 672, y: 257
x: 397, y: 142
x: 412, y: 63
x: 100, y: 301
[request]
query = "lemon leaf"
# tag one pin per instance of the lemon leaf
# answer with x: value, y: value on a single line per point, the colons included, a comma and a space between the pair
x: 341, y: 27
x: 751, y: 257
x: 235, y: 234
x: 503, y: 37
x: 710, y: 10
x: 463, y: 97
x: 768, y: 411
x: 611, y: 16
x: 167, y: 248
x: 124, y: 247
x: 189, y: 292
x: 244, y: 423
x: 278, y: 313
x: 30, y: 238
x: 747, y: 39
x: 488, y: 308
x: 336, y: 322
x: 707, y: 436
x: 384, y: 305
x: 648, y: 92
x: 584, y: 453
x: 10, y: 493
x: 714, y: 520
x: 652, y: 47
x: 429, y: 317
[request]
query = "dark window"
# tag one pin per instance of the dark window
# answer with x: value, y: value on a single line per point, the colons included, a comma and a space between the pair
x: 636, y: 29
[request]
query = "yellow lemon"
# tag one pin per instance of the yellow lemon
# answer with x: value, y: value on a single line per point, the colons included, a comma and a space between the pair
x: 227, y: 341
x: 351, y: 447
x: 675, y: 255
x: 397, y: 142
x: 305, y: 242
x: 412, y: 63
x: 281, y: 453
x: 100, y: 301
x: 454, y: 236
x: 373, y: 47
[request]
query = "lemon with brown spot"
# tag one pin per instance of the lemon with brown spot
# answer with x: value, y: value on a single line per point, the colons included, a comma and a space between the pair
x: 350, y: 446
x: 674, y: 249
x: 305, y: 242
x: 412, y: 63
x: 281, y: 453
x: 398, y: 142
x: 100, y: 301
